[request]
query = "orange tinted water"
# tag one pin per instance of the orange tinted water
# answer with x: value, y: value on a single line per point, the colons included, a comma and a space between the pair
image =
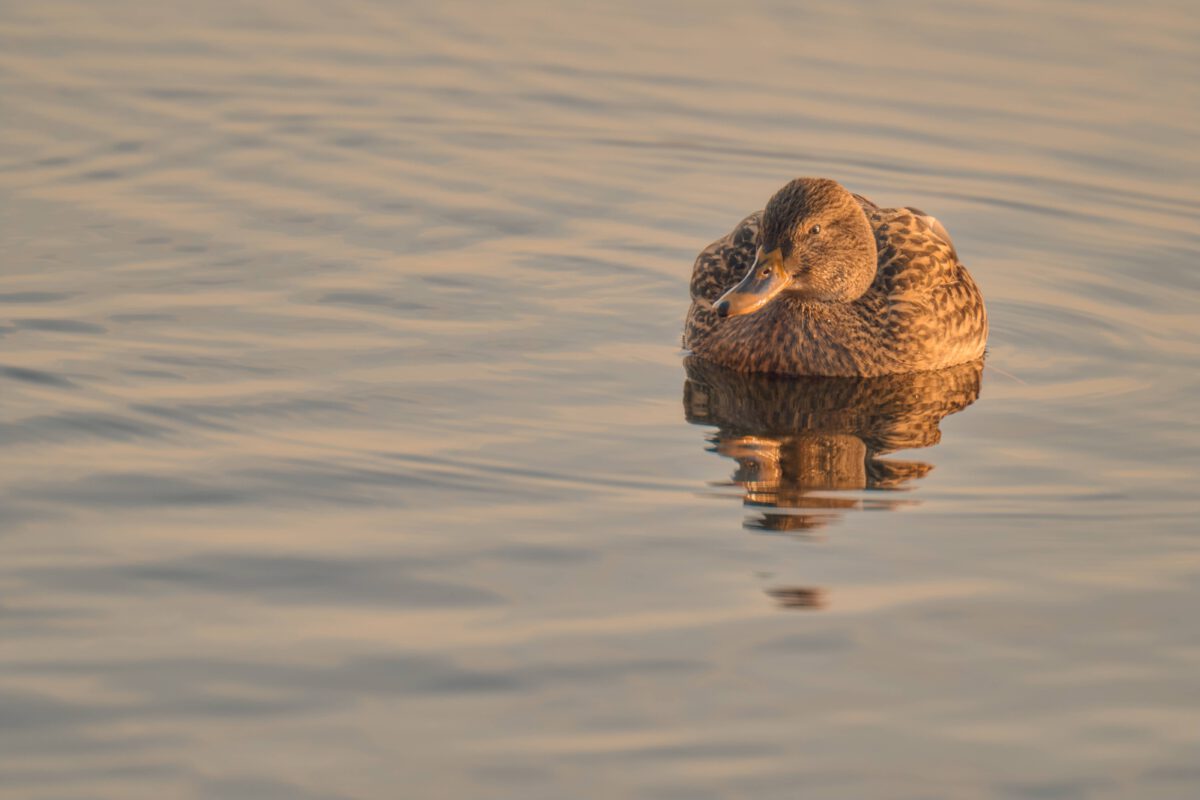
x: 346, y: 445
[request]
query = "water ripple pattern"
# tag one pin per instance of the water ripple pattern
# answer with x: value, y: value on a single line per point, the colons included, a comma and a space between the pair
x: 346, y: 447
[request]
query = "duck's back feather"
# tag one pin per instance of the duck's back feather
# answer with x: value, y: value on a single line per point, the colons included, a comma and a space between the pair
x: 724, y: 262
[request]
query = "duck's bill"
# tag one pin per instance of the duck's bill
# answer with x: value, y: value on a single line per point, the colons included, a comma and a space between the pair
x: 765, y: 279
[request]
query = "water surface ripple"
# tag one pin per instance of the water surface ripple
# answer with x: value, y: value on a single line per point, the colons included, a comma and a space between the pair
x: 342, y: 443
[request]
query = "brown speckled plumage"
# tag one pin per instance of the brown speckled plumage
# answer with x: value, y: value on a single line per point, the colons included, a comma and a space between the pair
x: 922, y: 311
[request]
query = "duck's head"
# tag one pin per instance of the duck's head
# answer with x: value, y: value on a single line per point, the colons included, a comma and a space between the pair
x: 816, y: 244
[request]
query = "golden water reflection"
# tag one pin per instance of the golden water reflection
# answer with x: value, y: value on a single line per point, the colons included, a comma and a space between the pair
x: 799, y: 441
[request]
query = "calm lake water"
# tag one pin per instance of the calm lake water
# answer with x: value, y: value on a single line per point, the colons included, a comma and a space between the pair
x: 348, y: 450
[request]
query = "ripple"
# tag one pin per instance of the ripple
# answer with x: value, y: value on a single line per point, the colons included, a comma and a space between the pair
x: 59, y: 326
x: 342, y: 425
x: 35, y: 297
x: 35, y: 376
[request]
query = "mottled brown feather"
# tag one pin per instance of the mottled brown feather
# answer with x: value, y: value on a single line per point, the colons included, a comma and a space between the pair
x: 923, y: 311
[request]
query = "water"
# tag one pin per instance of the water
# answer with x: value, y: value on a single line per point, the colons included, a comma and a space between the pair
x: 348, y: 451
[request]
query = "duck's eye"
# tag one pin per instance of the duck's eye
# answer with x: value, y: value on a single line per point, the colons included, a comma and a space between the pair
x: 814, y: 230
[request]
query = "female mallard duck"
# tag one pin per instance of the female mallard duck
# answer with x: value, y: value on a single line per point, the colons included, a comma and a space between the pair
x: 825, y: 282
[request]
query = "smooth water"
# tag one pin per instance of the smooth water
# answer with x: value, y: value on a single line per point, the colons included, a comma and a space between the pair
x: 348, y: 450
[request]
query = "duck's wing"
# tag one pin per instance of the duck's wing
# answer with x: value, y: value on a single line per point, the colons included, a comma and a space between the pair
x: 915, y: 252
x: 724, y: 262
x: 926, y: 301
x: 896, y: 220
x: 935, y: 225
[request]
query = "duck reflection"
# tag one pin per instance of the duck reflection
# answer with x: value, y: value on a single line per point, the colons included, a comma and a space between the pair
x: 797, y: 439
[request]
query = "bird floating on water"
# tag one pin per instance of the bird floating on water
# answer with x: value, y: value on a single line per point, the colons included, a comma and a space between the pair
x: 825, y: 282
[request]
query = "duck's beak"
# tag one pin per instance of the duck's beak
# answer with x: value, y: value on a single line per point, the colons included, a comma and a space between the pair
x: 765, y: 279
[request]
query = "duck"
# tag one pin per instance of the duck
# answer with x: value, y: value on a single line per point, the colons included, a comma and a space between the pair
x: 824, y: 282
